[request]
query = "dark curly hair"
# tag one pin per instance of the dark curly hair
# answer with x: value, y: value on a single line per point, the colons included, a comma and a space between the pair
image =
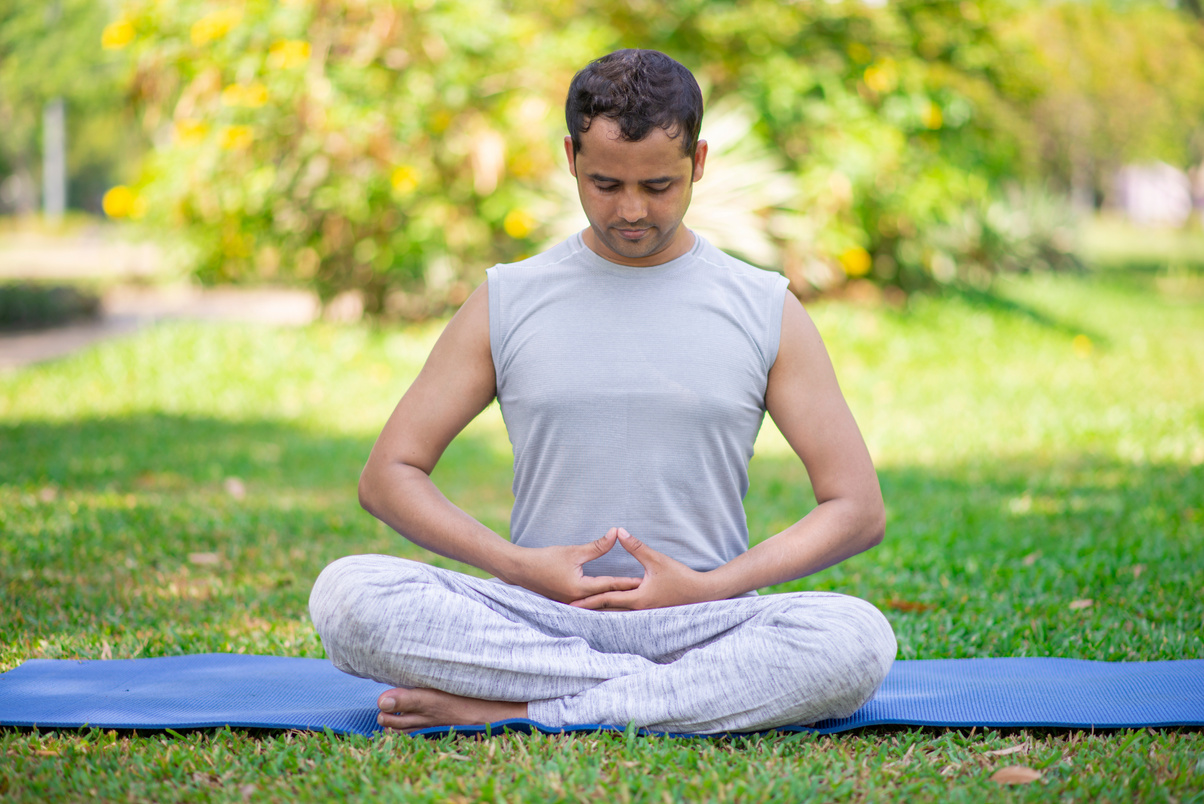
x: 638, y: 89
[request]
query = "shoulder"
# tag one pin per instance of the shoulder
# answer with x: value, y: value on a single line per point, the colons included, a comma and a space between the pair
x: 564, y: 253
x: 752, y: 295
x: 801, y: 351
x: 740, y: 281
x: 739, y: 270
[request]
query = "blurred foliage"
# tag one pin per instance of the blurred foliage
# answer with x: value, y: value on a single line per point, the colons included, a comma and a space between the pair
x: 26, y: 305
x: 388, y: 148
x: 396, y: 148
x: 48, y: 50
x: 1102, y: 87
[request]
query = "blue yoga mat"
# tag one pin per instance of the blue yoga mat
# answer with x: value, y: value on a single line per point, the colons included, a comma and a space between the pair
x: 219, y: 689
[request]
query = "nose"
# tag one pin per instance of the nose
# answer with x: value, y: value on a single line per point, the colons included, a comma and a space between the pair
x: 631, y: 207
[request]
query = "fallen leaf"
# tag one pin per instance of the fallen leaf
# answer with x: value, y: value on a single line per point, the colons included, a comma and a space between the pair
x: 204, y: 559
x: 1084, y: 603
x: 1015, y: 774
x: 106, y: 650
x: 908, y: 605
x: 235, y: 488
x: 1015, y: 749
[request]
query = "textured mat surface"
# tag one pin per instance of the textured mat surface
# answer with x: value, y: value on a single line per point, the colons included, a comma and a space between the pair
x: 218, y: 689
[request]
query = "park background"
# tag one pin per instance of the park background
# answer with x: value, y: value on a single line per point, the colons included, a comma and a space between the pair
x: 992, y: 209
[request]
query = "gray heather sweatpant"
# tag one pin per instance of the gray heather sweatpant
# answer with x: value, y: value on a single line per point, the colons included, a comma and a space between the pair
x: 731, y: 665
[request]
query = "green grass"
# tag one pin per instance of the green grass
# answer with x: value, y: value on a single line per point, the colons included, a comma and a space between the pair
x: 1110, y: 241
x: 1038, y: 448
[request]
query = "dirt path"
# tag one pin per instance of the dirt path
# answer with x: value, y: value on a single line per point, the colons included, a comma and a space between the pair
x: 137, y: 295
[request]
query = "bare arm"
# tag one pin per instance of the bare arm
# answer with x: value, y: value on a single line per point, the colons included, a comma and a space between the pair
x: 805, y: 402
x: 456, y: 383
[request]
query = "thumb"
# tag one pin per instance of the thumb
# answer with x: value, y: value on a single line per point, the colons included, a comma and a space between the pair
x: 601, y: 546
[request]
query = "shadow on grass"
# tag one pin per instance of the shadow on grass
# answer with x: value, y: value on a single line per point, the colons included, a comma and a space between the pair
x: 173, y: 453
x: 991, y: 507
x: 1081, y: 556
x: 1080, y: 507
x: 994, y: 302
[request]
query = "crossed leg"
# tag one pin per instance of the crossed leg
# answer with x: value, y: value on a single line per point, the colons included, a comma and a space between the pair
x: 464, y: 650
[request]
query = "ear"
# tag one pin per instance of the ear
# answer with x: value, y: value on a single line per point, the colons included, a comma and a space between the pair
x: 700, y: 159
x: 568, y: 151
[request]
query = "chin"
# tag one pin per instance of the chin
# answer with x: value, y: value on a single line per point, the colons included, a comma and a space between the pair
x: 634, y: 249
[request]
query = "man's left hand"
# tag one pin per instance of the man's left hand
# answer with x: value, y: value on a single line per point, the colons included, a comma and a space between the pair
x: 667, y: 582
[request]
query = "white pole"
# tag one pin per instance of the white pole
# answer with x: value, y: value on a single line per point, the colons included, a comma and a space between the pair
x: 54, y: 142
x: 54, y: 159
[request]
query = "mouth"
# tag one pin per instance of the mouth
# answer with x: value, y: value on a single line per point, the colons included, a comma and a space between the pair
x: 632, y: 234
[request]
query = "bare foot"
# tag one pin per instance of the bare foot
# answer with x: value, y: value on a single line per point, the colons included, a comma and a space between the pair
x: 404, y: 709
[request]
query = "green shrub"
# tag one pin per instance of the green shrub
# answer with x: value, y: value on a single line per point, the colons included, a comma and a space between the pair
x: 396, y: 148
x: 28, y: 305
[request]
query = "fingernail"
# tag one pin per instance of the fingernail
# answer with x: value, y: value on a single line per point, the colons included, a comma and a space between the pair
x: 623, y: 532
x: 388, y: 703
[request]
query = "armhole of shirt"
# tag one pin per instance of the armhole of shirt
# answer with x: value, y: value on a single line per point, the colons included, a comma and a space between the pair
x: 495, y: 320
x: 773, y: 335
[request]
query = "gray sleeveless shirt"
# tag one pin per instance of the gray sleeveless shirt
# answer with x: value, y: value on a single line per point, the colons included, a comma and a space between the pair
x: 632, y: 397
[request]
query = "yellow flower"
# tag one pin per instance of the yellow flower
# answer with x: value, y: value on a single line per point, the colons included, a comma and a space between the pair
x: 881, y: 76
x: 1082, y: 346
x: 856, y: 261
x: 288, y: 53
x: 236, y: 138
x: 119, y: 201
x: 190, y: 132
x: 214, y: 26
x: 255, y: 95
x: 117, y: 34
x: 931, y: 116
x: 250, y: 96
x: 404, y: 180
x: 518, y: 223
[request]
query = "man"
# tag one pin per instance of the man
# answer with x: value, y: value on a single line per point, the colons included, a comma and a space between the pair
x: 633, y: 364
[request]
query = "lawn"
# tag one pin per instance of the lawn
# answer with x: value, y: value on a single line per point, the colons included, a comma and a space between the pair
x: 1041, y: 450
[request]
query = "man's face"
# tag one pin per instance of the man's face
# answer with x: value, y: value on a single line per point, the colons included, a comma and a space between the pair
x: 634, y: 193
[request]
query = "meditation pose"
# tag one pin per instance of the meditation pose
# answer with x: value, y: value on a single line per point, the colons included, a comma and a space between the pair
x: 633, y: 364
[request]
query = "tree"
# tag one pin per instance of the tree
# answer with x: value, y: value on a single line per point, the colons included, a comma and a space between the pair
x: 395, y: 148
x: 43, y: 56
x: 1108, y: 87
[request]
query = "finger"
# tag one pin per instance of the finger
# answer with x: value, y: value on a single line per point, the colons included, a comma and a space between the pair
x: 608, y: 601
x: 640, y: 551
x: 607, y: 583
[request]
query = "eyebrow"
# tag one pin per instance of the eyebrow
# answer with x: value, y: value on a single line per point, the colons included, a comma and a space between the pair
x: 598, y: 177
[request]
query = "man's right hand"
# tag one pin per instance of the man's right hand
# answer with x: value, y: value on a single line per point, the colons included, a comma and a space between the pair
x: 558, y: 572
